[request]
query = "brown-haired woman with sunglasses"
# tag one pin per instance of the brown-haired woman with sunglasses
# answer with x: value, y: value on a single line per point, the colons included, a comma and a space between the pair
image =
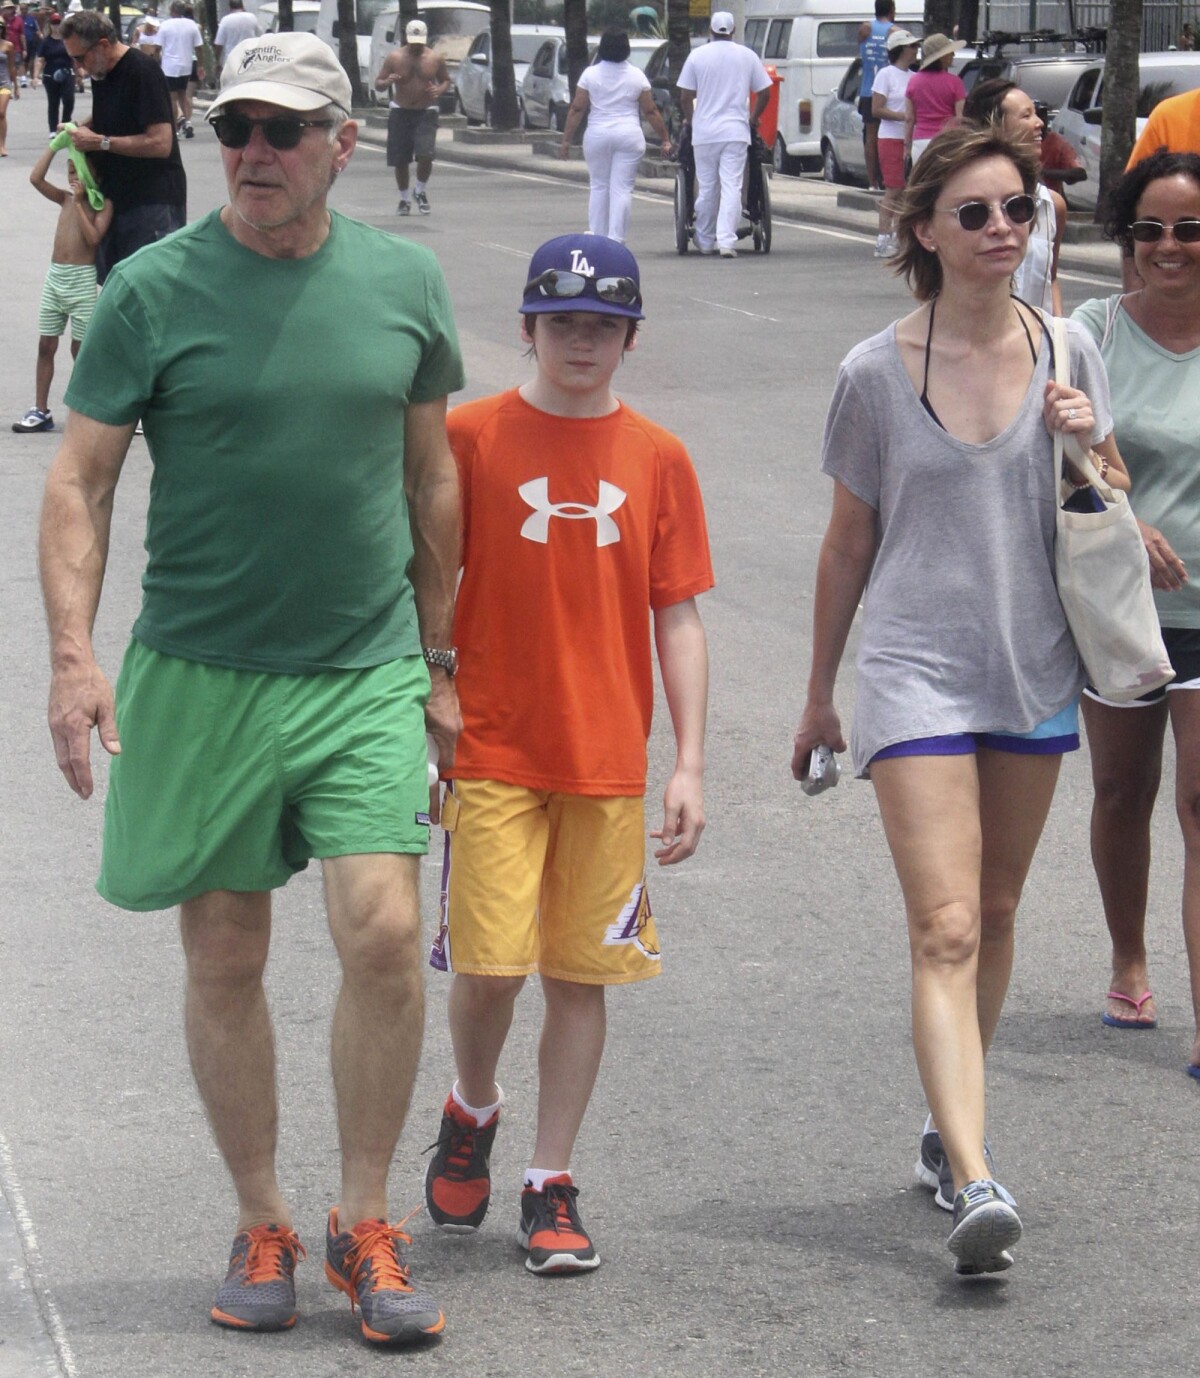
x: 939, y: 439
x: 1150, y: 342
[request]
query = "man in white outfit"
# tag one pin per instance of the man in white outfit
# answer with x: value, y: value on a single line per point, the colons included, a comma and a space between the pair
x: 714, y: 90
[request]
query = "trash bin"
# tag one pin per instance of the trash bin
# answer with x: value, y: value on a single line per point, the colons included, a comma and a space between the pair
x: 768, y: 126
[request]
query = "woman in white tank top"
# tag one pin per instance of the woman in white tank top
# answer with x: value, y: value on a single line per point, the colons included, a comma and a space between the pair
x: 1004, y: 104
x: 614, y: 95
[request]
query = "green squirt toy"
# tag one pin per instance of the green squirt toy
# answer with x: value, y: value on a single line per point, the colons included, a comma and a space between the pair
x: 63, y: 140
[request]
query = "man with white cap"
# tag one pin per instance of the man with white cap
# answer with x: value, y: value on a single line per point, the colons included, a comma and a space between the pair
x: 293, y: 646
x: 714, y: 90
x: 417, y: 77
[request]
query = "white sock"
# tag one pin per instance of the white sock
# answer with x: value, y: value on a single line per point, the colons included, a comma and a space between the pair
x: 406, y: 195
x: 930, y: 1127
x: 536, y: 1177
x: 420, y: 186
x: 480, y: 1117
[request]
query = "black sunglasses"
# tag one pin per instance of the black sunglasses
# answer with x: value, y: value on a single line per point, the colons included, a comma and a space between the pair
x: 1151, y: 231
x: 555, y: 282
x: 974, y: 215
x: 280, y: 131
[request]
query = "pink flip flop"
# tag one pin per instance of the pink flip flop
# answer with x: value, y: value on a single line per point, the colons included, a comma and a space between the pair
x: 1137, y: 1021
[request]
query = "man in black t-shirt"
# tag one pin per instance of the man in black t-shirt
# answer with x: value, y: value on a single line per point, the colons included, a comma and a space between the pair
x: 130, y: 137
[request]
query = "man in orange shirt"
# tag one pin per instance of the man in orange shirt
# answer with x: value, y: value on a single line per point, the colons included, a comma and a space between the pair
x: 582, y: 521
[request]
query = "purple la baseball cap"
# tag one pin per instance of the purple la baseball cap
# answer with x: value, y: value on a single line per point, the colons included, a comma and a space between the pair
x: 585, y: 256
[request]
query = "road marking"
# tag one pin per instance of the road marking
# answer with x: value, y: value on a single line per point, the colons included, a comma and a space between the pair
x: 1083, y: 277
x: 752, y: 314
x: 50, y: 1316
x: 502, y: 248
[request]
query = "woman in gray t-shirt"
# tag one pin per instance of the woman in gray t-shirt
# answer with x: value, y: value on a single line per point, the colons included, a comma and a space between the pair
x: 939, y: 438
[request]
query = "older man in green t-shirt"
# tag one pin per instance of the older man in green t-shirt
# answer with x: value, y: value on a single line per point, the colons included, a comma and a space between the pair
x: 293, y: 643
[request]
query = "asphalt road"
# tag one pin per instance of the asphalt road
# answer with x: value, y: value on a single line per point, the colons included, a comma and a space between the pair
x: 746, y: 1165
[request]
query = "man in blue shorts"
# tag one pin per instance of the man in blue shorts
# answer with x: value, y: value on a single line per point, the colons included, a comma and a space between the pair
x: 293, y: 642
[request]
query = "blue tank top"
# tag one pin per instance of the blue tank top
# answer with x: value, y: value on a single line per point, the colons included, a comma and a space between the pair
x: 874, y: 54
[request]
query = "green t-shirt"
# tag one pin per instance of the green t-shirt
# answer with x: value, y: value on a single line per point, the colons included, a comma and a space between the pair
x: 273, y: 394
x: 1154, y: 395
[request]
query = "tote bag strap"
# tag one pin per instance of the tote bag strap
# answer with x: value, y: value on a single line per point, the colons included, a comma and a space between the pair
x: 1079, y: 456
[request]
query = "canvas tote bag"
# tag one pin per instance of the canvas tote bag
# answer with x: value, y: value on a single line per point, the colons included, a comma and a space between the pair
x: 1103, y: 573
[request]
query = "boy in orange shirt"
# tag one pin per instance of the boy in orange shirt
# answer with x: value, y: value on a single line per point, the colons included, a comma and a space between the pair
x: 581, y: 519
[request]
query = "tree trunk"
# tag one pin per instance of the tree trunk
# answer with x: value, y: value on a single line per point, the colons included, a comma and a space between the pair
x: 941, y: 16
x: 114, y: 13
x: 679, y: 36
x: 408, y: 12
x: 348, y: 49
x: 504, y: 86
x: 1119, y: 130
x: 575, y: 22
x: 287, y: 19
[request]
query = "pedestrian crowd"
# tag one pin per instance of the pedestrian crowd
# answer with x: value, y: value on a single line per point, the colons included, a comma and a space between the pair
x: 354, y: 636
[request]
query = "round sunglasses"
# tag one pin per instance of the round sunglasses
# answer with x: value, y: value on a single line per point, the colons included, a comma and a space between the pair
x: 280, y: 131
x: 558, y: 283
x: 1151, y: 231
x: 974, y: 215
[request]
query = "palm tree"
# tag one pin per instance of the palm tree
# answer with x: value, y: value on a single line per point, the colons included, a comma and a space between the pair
x: 348, y: 48
x: 503, y: 105
x: 679, y: 37
x: 287, y: 18
x: 575, y: 23
x: 1119, y: 127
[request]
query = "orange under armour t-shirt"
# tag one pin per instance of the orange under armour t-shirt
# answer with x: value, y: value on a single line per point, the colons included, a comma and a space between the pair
x: 1174, y: 124
x: 573, y: 530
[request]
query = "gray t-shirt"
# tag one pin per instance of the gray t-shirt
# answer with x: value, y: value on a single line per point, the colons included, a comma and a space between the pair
x: 962, y: 627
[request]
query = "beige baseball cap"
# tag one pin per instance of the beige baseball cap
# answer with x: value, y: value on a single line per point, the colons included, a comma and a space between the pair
x: 294, y: 70
x: 415, y: 31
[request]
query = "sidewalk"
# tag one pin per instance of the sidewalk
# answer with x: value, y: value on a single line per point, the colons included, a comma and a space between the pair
x: 807, y: 199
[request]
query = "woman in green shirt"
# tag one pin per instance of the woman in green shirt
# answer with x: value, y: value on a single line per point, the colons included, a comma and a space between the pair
x: 1150, y: 342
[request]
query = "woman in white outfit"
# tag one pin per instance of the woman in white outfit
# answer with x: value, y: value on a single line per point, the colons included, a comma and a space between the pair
x: 1005, y: 105
x: 614, y: 95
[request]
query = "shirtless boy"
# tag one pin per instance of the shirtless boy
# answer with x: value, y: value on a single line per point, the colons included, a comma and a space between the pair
x: 70, y: 288
x: 417, y: 77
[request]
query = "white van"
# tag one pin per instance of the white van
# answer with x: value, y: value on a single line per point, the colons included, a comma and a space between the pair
x: 452, y: 25
x: 810, y: 43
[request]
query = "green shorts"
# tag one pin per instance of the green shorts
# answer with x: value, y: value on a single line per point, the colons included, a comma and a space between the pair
x: 235, y: 779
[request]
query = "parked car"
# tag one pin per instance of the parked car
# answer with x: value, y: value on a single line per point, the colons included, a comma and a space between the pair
x: 546, y: 91
x: 304, y: 16
x: 662, y: 88
x: 843, y: 158
x: 452, y: 25
x: 1045, y: 76
x: 473, y: 83
x: 1160, y: 75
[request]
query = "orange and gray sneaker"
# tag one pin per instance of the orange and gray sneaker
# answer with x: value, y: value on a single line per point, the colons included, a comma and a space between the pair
x: 259, y: 1292
x: 458, y: 1181
x: 367, y: 1263
x: 552, y: 1231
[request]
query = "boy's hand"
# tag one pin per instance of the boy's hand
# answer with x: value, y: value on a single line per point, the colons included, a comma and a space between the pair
x: 683, y: 818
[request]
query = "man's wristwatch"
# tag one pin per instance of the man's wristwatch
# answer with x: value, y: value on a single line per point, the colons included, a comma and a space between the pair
x: 445, y: 660
x: 105, y: 143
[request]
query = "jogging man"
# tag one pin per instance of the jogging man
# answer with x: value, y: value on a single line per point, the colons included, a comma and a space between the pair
x: 417, y: 78
x: 303, y: 546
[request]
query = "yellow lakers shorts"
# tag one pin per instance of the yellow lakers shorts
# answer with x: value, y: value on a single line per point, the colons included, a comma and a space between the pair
x: 545, y: 882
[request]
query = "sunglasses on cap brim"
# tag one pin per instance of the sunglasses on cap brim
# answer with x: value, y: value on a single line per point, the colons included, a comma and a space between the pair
x: 561, y: 285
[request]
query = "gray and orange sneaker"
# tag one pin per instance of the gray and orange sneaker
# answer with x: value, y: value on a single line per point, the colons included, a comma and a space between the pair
x: 259, y: 1292
x: 368, y: 1264
x: 458, y: 1181
x: 552, y: 1231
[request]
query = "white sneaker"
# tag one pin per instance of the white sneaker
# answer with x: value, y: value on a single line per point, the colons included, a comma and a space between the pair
x: 728, y: 253
x: 881, y: 245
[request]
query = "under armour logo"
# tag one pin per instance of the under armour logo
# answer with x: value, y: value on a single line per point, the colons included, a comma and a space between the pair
x: 579, y: 263
x: 537, y: 527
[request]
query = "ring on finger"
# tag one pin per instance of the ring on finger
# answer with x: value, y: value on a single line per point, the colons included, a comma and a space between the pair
x: 1070, y: 413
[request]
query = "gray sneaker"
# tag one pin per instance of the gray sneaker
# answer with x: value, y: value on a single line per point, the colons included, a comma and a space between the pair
x: 368, y: 1264
x: 422, y: 201
x: 258, y: 1292
x: 932, y: 1168
x: 404, y: 208
x: 986, y: 1225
